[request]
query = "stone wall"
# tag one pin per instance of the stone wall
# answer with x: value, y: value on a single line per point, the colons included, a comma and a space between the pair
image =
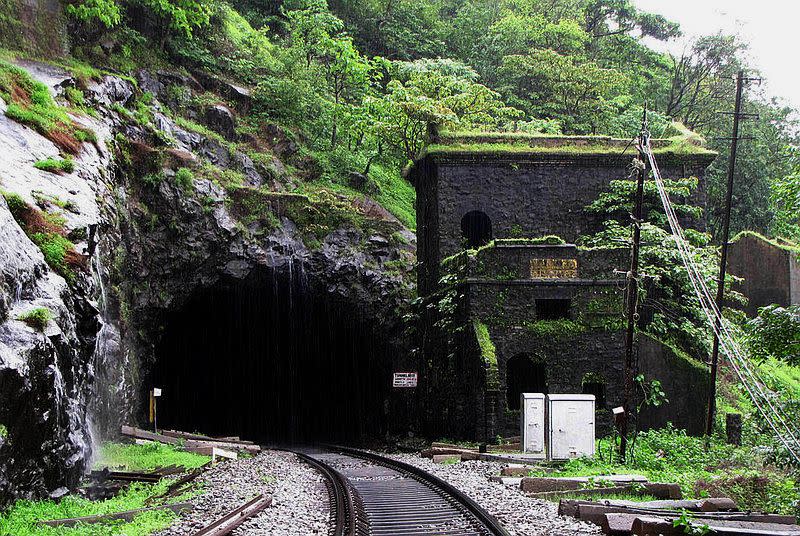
x: 685, y: 381
x: 771, y: 273
x: 523, y: 195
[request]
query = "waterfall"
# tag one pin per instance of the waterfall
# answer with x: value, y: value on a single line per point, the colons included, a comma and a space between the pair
x: 104, y: 360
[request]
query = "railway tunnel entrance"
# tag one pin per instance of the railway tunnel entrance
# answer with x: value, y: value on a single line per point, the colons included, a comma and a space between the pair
x: 273, y: 359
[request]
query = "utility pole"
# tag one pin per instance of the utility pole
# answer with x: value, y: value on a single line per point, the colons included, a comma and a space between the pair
x: 726, y: 223
x: 632, y: 291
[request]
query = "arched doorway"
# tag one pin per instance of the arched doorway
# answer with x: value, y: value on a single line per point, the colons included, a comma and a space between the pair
x: 523, y: 375
x: 476, y: 228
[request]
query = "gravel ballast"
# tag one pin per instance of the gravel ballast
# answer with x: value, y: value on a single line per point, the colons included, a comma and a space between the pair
x: 521, y: 515
x: 299, y: 497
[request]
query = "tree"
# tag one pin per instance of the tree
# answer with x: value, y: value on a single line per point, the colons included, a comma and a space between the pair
x: 701, y: 79
x: 775, y: 332
x: 544, y: 83
x: 106, y: 12
x: 417, y: 97
x: 785, y: 199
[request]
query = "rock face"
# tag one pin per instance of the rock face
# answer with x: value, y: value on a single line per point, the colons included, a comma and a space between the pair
x: 151, y: 244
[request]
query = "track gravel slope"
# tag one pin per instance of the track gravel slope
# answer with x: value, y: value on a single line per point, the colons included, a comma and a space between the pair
x: 521, y: 515
x: 299, y: 497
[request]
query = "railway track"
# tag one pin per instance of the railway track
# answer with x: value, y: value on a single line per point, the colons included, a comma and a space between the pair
x: 372, y: 495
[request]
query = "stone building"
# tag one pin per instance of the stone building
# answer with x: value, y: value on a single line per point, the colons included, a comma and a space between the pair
x: 770, y: 271
x: 519, y: 307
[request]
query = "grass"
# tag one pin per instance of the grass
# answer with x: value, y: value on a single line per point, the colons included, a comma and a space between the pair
x: 56, y: 165
x: 47, y: 231
x: 21, y: 519
x: 591, y: 149
x: 36, y: 318
x: 30, y: 103
x: 197, y: 128
x: 146, y: 457
x: 184, y: 178
x: 669, y: 455
x: 784, y: 245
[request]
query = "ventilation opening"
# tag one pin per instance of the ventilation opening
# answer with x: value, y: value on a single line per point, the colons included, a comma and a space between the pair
x: 598, y: 389
x: 476, y: 228
x: 553, y: 309
x: 271, y: 359
x: 523, y: 376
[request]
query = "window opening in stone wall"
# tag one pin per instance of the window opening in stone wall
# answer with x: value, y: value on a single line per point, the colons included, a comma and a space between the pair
x: 553, y: 309
x: 476, y: 228
x: 523, y: 376
x: 598, y: 389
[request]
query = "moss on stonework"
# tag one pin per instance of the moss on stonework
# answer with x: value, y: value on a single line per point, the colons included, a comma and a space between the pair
x: 555, y: 329
x: 488, y: 353
x: 685, y: 143
x: 782, y: 244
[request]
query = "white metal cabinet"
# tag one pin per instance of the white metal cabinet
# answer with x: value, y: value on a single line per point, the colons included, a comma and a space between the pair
x: 532, y: 424
x: 570, y: 431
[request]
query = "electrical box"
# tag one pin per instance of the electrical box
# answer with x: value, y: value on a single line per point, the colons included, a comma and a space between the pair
x: 532, y: 424
x: 570, y: 431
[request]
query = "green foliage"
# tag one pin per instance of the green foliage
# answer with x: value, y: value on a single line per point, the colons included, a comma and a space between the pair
x: 56, y: 165
x: 30, y: 103
x: 488, y: 353
x: 106, y: 12
x: 545, y: 83
x: 36, y: 318
x: 127, y: 457
x: 182, y: 16
x: 55, y: 249
x: 417, y: 97
x: 23, y: 517
x: 184, y: 178
x: 666, y: 289
x: 785, y: 200
x: 775, y: 333
x: 720, y: 470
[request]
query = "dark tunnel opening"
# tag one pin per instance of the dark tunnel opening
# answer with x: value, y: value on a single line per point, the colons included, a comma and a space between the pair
x: 270, y: 359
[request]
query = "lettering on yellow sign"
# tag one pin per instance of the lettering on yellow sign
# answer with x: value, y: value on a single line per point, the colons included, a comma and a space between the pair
x: 554, y: 268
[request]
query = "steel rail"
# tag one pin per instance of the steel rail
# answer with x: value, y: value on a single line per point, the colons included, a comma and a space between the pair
x: 490, y: 525
x: 341, y: 497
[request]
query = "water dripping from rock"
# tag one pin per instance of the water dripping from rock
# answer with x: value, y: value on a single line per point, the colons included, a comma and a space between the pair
x: 275, y: 358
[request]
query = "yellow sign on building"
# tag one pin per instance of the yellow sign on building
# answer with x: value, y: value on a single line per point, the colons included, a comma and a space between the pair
x: 554, y: 268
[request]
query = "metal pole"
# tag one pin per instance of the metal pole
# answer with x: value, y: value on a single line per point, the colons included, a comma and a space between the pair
x: 726, y: 223
x: 632, y: 293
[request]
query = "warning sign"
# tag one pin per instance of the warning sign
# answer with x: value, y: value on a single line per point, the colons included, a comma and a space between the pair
x: 405, y: 379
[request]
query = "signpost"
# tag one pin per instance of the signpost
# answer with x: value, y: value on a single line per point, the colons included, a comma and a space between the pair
x: 155, y: 392
x: 404, y: 380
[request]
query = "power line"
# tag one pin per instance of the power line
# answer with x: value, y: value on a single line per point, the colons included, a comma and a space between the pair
x: 749, y: 378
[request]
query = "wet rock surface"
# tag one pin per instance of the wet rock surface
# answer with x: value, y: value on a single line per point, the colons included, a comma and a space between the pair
x: 521, y: 515
x: 149, y: 247
x: 299, y: 497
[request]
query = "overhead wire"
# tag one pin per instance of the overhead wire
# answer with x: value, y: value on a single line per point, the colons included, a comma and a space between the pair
x: 751, y: 382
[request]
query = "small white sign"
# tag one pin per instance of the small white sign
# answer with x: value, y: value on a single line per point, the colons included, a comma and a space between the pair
x: 156, y: 391
x: 405, y: 379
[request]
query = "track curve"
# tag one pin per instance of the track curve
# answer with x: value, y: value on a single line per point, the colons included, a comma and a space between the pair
x: 372, y: 495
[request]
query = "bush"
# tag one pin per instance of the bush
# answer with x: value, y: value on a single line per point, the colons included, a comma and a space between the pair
x: 36, y: 318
